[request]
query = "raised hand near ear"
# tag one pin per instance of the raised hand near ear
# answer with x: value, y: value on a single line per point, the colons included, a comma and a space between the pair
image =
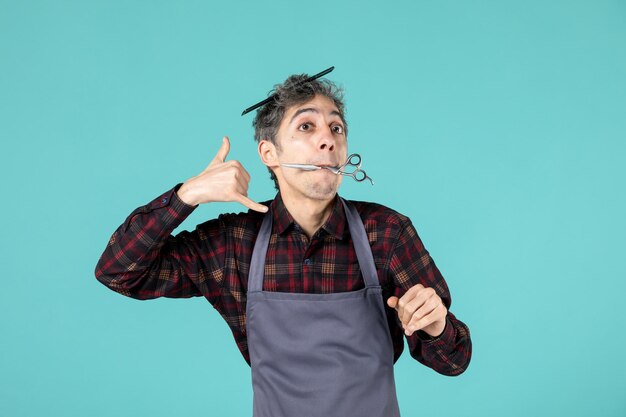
x: 221, y: 180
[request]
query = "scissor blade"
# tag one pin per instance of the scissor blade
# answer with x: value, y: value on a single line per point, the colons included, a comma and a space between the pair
x: 305, y: 167
x: 334, y: 170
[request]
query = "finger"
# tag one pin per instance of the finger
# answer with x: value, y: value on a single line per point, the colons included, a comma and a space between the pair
x: 245, y: 173
x: 401, y: 308
x: 242, y: 182
x: 406, y: 298
x: 433, y: 316
x: 251, y: 204
x: 425, y: 309
x: 420, y: 299
x: 223, y: 151
x: 407, y: 305
x: 241, y: 188
x: 415, y: 289
x: 392, y: 301
x: 241, y: 172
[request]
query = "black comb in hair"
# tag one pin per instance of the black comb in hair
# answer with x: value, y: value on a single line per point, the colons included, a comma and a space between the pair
x: 270, y: 98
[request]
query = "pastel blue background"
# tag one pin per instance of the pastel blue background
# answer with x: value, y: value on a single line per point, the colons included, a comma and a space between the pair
x: 497, y: 126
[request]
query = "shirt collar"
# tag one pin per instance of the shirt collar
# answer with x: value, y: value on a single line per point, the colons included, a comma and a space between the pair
x: 335, y: 225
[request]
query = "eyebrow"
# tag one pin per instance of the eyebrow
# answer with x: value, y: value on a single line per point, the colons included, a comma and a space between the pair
x: 311, y: 109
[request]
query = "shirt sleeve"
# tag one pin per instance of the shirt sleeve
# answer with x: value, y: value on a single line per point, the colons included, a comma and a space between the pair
x: 411, y: 264
x: 143, y: 261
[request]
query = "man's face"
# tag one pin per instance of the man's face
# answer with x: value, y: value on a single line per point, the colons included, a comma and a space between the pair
x: 311, y: 133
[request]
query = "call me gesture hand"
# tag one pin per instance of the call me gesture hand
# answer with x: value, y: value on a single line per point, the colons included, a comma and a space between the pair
x: 420, y: 308
x: 220, y: 181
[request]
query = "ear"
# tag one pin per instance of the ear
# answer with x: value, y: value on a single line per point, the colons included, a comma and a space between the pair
x: 268, y: 153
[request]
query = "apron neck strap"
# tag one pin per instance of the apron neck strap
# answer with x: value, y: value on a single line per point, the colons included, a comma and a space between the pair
x: 359, y: 240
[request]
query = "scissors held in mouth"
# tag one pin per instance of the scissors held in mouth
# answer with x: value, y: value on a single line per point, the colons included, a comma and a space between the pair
x: 353, y: 161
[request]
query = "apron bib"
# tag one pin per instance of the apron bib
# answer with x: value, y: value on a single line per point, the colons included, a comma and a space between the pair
x: 320, y: 354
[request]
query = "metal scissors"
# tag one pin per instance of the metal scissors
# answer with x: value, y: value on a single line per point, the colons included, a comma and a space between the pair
x: 353, y: 161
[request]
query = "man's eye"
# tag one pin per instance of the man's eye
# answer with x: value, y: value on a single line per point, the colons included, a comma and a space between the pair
x: 305, y: 126
x: 338, y: 129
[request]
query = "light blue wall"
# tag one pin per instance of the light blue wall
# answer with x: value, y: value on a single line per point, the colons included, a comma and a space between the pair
x: 497, y: 126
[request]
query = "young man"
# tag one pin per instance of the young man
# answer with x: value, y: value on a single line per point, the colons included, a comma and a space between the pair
x: 319, y: 292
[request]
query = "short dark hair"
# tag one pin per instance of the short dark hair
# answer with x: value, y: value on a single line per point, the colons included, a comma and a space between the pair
x: 292, y: 92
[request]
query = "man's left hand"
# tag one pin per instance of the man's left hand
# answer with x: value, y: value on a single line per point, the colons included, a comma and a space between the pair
x: 420, y: 308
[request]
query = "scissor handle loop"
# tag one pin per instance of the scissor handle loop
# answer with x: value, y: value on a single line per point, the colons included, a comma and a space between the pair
x: 354, y: 160
x: 359, y: 175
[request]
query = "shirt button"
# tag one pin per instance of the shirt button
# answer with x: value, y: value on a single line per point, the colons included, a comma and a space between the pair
x: 307, y: 261
x: 164, y: 200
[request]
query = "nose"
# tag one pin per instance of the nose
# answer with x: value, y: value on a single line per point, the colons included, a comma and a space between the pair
x: 327, y: 140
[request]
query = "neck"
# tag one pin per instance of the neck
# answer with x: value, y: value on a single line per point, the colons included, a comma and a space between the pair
x: 308, y: 213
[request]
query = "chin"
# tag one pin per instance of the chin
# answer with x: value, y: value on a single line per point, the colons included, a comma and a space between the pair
x: 315, y: 189
x: 322, y: 191
x: 318, y: 195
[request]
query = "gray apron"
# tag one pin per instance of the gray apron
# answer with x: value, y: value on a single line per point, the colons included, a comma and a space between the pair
x: 320, y: 354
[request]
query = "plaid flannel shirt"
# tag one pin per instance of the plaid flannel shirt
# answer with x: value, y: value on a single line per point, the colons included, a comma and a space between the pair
x: 144, y: 261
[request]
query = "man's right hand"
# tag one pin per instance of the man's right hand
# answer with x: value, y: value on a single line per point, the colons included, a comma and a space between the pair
x: 220, y: 181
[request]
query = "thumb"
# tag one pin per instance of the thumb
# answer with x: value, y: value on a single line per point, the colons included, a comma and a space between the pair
x: 392, y: 301
x: 223, y: 151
